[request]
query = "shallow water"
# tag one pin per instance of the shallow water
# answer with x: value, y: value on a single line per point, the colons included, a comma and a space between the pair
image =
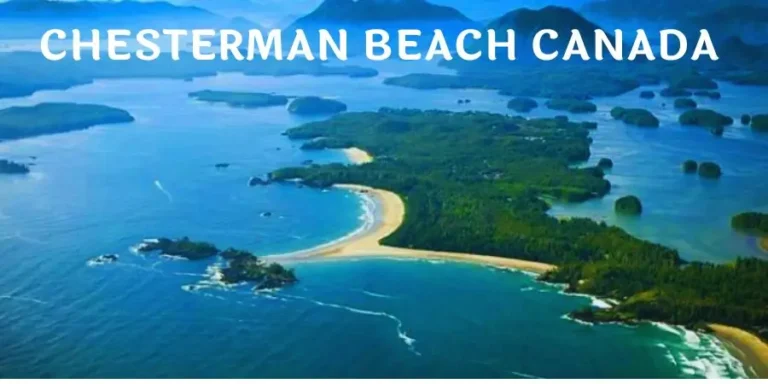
x: 105, y: 189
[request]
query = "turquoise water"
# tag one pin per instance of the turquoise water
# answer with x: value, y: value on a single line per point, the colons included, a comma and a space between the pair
x: 105, y: 189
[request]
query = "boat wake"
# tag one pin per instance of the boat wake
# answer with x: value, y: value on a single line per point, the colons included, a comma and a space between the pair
x: 23, y: 299
x: 409, y: 341
x: 374, y: 294
x: 160, y: 187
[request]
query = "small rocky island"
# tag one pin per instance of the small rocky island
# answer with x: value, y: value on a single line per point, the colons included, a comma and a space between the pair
x: 245, y: 267
x: 103, y: 259
x: 572, y: 105
x: 690, y: 166
x: 628, y: 205
x: 710, y: 170
x: 760, y: 123
x: 675, y: 92
x: 49, y: 118
x: 635, y: 116
x: 183, y: 247
x: 313, y: 105
x: 242, y: 266
x: 605, y: 163
x: 705, y: 118
x: 522, y: 104
x: 240, y: 99
x: 685, y: 103
x: 647, y: 95
x: 8, y: 167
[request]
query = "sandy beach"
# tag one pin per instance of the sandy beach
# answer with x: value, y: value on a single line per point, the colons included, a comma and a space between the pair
x: 389, y: 216
x: 763, y: 243
x: 357, y: 155
x: 746, y: 347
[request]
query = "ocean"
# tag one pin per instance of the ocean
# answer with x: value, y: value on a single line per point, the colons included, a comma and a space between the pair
x: 105, y: 189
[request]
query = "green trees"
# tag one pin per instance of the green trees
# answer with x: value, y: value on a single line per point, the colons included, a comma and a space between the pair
x: 675, y: 92
x: 705, y: 118
x: 472, y: 185
x: 522, y: 104
x: 183, y: 247
x: 48, y: 118
x: 240, y: 99
x: 685, y: 103
x: 760, y: 123
x: 745, y: 119
x: 709, y: 170
x: 312, y: 105
x: 571, y: 105
x: 628, y: 205
x: 647, y: 95
x: 635, y: 116
x: 752, y: 222
x: 690, y: 166
x: 605, y: 163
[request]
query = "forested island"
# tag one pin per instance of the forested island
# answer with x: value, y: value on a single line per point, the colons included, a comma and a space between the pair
x: 705, y: 118
x: 242, y: 266
x: 522, y: 104
x: 473, y: 182
x: 635, y: 116
x: 628, y: 205
x: 312, y: 105
x: 752, y: 222
x: 240, y: 99
x: 8, y: 167
x: 48, y: 118
x: 572, y: 105
x: 760, y: 123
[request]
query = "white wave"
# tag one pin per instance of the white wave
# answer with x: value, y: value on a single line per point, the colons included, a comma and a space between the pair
x: 400, y: 333
x: 602, y: 304
x: 367, y: 218
x: 666, y: 327
x: 700, y: 355
x: 582, y: 322
x: 526, y: 289
x: 22, y: 298
x: 374, y: 294
x: 172, y: 257
x: 163, y: 190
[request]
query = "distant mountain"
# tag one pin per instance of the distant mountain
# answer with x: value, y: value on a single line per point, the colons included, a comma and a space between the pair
x: 353, y: 12
x: 23, y: 18
x: 270, y: 13
x: 655, y: 10
x: 526, y: 22
x: 748, y: 22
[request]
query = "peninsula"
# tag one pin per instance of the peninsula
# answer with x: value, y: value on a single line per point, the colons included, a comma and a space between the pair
x: 463, y: 203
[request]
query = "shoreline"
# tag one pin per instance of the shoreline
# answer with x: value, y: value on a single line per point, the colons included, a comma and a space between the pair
x: 364, y: 242
x: 749, y: 349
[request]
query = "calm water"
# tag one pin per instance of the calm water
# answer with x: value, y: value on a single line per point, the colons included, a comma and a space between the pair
x: 105, y: 189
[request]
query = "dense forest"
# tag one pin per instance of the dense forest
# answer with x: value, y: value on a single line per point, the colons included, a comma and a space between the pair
x: 48, y: 118
x: 480, y: 182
